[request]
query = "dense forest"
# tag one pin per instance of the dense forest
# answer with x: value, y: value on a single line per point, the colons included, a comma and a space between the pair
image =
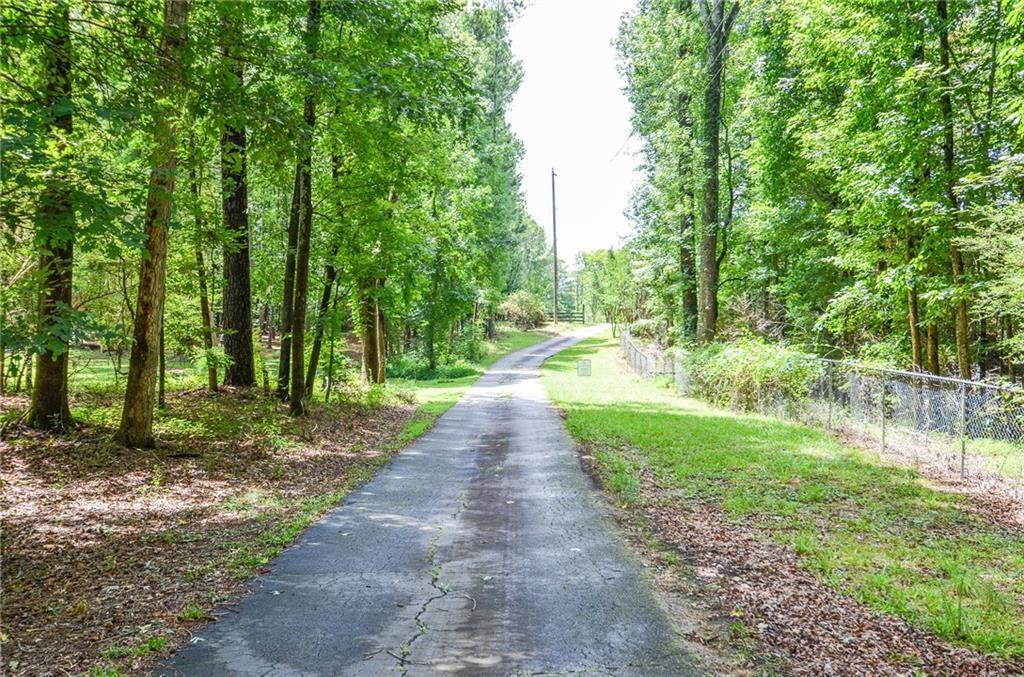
x: 195, y: 180
x: 844, y: 176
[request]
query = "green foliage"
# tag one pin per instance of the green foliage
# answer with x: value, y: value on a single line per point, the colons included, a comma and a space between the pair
x: 192, y: 612
x: 843, y: 207
x: 741, y: 374
x: 523, y: 310
x: 414, y: 176
x: 415, y: 367
x: 648, y: 329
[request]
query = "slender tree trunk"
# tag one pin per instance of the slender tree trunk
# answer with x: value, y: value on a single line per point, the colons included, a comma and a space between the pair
x: 914, y: 320
x: 298, y: 388
x: 382, y: 345
x: 983, y: 344
x: 914, y: 314
x: 688, y: 272
x: 56, y: 227
x: 269, y: 324
x: 932, y: 338
x: 717, y: 28
x: 330, y: 274
x: 237, y: 299
x: 325, y: 303
x: 26, y: 369
x: 963, y: 357
x: 1011, y: 367
x: 137, y: 416
x: 206, y: 316
x: 288, y: 303
x: 330, y: 354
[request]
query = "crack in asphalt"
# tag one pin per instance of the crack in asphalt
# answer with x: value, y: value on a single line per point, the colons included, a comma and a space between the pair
x: 492, y: 506
x: 403, y: 658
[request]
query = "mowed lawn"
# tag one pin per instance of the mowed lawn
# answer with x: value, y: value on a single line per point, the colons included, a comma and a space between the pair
x: 872, y: 531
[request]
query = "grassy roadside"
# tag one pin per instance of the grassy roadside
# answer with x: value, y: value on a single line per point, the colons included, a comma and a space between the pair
x: 437, y: 395
x: 871, y: 531
x: 112, y: 556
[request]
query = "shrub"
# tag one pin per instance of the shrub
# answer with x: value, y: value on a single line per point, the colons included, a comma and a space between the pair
x: 414, y: 367
x: 740, y: 374
x: 469, y: 344
x: 522, y: 309
x: 649, y: 329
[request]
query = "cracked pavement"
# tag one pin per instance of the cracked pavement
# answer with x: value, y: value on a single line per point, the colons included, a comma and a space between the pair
x: 481, y: 549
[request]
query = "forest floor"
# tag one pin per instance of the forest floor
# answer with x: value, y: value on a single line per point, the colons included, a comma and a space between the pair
x: 823, y: 555
x: 111, y: 556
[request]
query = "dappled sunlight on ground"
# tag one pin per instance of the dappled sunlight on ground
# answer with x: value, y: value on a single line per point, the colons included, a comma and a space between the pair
x: 105, y: 546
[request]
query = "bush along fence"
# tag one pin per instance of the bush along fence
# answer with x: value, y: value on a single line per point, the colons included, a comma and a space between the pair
x: 956, y: 427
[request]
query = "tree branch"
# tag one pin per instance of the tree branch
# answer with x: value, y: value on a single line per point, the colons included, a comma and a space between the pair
x: 732, y: 17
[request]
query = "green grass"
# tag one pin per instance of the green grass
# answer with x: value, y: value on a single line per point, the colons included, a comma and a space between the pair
x: 873, y: 531
x: 1001, y: 457
x: 193, y: 612
x: 97, y: 370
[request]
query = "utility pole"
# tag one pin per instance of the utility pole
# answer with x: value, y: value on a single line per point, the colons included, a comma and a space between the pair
x: 554, y: 240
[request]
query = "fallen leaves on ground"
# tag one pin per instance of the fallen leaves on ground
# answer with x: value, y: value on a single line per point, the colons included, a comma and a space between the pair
x: 111, y: 556
x: 818, y: 630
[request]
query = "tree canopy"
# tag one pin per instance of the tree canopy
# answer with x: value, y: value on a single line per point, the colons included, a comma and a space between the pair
x: 871, y: 177
x: 197, y: 177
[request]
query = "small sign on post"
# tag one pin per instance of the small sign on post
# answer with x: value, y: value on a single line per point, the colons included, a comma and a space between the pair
x: 583, y: 367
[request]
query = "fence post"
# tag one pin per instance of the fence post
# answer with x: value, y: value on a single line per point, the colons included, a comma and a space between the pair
x: 963, y: 430
x: 831, y: 394
x: 881, y: 405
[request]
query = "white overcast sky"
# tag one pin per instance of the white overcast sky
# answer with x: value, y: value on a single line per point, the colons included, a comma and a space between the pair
x: 572, y: 115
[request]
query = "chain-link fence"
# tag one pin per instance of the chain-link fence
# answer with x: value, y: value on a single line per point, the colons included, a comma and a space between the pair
x: 955, y: 427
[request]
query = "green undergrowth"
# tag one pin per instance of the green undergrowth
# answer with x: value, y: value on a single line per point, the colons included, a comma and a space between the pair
x: 871, y: 530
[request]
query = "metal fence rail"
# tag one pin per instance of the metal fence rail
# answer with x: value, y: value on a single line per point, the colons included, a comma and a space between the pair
x: 961, y: 427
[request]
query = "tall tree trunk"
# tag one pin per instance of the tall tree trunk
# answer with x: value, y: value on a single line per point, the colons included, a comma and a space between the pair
x: 717, y: 28
x: 321, y: 320
x: 237, y: 299
x: 330, y: 356
x: 382, y: 343
x: 55, y: 239
x: 206, y: 316
x: 688, y: 272
x: 1011, y: 367
x: 330, y: 274
x: 298, y: 388
x: 137, y: 416
x: 288, y: 303
x: 687, y: 262
x: 3, y: 354
x: 368, y: 328
x: 963, y: 357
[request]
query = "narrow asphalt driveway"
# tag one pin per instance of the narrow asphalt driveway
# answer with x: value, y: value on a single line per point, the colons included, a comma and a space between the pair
x: 481, y: 549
